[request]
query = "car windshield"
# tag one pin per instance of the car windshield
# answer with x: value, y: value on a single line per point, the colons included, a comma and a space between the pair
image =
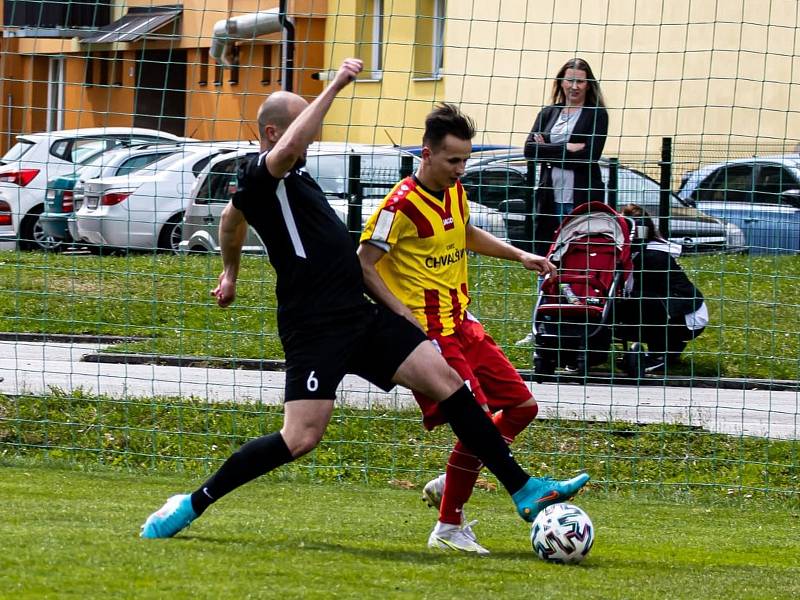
x: 379, y: 172
x: 17, y: 151
x: 637, y: 188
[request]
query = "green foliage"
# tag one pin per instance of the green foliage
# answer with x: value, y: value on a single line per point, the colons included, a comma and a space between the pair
x: 74, y: 534
x: 194, y: 436
x: 753, y: 303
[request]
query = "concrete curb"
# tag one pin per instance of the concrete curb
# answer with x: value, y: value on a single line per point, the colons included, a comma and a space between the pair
x: 527, y: 375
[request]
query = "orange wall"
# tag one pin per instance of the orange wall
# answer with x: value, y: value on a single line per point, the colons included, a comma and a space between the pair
x: 225, y: 111
x: 98, y: 106
x: 228, y: 111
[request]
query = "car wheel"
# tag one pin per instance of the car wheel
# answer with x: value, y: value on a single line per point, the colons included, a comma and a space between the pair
x: 170, y: 236
x: 32, y: 235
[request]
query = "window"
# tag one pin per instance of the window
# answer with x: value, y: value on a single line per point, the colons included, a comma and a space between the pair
x: 728, y: 184
x: 83, y: 148
x: 55, y: 95
x: 136, y: 163
x: 369, y: 33
x: 220, y: 183
x: 490, y: 188
x: 429, y: 39
x: 116, y: 69
x: 233, y: 75
x: 271, y: 64
x: 203, y: 67
x: 22, y: 13
x: 17, y: 151
x: 772, y: 181
x: 104, y: 58
x: 88, y: 79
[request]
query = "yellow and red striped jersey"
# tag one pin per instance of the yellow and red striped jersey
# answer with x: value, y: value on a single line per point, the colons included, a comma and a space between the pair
x: 425, y: 264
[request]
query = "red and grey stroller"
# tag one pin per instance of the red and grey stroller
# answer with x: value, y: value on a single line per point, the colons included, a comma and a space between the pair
x: 572, y: 320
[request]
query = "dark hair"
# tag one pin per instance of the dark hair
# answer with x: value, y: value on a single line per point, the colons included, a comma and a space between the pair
x: 594, y: 97
x: 446, y: 119
x: 642, y: 218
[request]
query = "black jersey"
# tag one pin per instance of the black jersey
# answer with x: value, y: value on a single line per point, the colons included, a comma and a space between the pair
x: 318, y: 271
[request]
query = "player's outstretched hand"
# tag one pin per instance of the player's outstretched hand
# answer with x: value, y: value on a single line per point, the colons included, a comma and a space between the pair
x: 349, y: 70
x: 534, y: 262
x: 225, y: 292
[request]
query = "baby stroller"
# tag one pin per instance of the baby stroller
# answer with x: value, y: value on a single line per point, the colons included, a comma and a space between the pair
x: 572, y: 320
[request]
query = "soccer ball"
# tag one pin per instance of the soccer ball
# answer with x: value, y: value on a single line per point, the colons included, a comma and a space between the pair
x: 562, y: 533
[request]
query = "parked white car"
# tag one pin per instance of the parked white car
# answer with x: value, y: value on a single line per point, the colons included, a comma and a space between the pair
x: 37, y: 158
x: 328, y: 163
x: 144, y: 210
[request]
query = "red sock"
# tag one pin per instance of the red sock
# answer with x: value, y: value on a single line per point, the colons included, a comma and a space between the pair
x: 463, y: 467
x: 512, y: 421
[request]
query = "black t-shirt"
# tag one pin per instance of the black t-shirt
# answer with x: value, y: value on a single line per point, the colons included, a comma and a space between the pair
x: 318, y: 273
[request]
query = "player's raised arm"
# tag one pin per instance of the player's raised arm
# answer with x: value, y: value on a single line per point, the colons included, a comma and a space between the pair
x: 291, y: 145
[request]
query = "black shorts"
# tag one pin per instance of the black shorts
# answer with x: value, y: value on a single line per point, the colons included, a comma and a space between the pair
x: 371, y: 342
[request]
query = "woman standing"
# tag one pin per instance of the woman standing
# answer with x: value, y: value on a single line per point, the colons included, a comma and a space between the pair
x: 567, y: 140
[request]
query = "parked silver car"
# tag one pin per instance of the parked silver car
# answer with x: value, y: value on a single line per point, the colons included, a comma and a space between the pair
x: 37, y: 158
x: 328, y: 163
x: 761, y: 195
x: 144, y: 210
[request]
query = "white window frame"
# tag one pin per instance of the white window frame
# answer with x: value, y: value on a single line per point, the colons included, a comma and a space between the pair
x: 55, y: 94
x: 439, y: 12
x: 376, y: 56
x: 437, y: 44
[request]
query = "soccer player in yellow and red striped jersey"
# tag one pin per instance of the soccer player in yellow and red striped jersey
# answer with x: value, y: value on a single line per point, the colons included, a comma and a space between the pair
x: 414, y: 256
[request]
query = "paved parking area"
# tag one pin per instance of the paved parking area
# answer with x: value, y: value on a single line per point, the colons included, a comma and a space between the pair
x: 36, y: 367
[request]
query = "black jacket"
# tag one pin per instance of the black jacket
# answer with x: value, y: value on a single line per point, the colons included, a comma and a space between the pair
x: 658, y: 278
x: 591, y: 129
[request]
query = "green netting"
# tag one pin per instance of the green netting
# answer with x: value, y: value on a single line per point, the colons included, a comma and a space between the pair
x: 113, y: 353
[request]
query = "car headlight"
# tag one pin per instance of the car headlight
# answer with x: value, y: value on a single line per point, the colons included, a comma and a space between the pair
x: 734, y: 237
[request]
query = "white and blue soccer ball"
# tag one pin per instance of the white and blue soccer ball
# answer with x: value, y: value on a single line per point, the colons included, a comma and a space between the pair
x: 562, y: 533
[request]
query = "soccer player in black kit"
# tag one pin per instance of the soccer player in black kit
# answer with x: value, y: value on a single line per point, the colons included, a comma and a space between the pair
x: 326, y: 324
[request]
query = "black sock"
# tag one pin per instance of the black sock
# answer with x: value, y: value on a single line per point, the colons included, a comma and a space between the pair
x: 253, y: 459
x: 477, y: 432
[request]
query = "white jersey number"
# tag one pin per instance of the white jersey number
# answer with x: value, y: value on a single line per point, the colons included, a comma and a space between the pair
x: 312, y: 383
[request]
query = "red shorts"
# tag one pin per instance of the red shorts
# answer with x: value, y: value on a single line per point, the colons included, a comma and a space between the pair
x: 483, y: 366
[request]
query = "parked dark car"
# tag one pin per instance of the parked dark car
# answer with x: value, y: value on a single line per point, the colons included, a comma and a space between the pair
x: 498, y: 180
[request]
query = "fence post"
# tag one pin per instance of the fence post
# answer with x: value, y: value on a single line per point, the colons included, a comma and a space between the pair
x: 666, y: 186
x: 354, y: 196
x: 527, y: 242
x: 406, y: 166
x: 613, y: 181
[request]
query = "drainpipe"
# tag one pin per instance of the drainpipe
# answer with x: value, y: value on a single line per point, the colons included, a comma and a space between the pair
x: 288, y: 47
x: 227, y: 32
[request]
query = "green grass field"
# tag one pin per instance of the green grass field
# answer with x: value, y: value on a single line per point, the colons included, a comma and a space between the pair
x: 753, y: 302
x: 71, y: 533
x: 680, y: 512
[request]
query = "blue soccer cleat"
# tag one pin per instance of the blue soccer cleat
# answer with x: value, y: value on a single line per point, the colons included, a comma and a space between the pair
x: 168, y: 520
x: 541, y: 492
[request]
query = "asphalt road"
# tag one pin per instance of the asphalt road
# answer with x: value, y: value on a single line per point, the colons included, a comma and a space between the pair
x: 37, y: 367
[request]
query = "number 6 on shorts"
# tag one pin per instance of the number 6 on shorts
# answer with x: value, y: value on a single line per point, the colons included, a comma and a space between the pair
x: 312, y: 383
